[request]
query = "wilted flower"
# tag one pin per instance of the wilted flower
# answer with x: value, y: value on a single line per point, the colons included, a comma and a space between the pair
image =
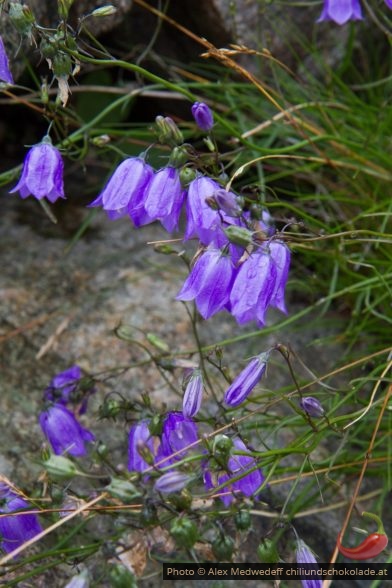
x: 140, y: 441
x: 124, y: 192
x: 172, y: 481
x: 253, y: 288
x: 244, y: 383
x: 236, y: 464
x: 164, y: 197
x: 280, y: 255
x: 312, y: 407
x: 203, y: 116
x: 15, y: 529
x: 305, y: 556
x: 228, y: 202
x: 42, y: 174
x: 63, y: 431
x: 193, y: 394
x: 178, y: 433
x: 5, y: 73
x: 209, y: 283
x: 63, y: 386
x: 341, y: 11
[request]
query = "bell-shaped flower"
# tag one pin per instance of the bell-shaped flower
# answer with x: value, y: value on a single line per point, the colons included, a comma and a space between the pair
x: 124, y: 191
x: 248, y: 484
x: 304, y: 555
x: 341, y: 11
x: 312, y: 407
x: 69, y: 387
x: 164, y: 197
x: 42, y: 174
x: 280, y: 255
x: 171, y: 482
x: 228, y: 202
x: 178, y: 434
x: 63, y: 431
x: 5, y: 73
x: 141, y: 445
x: 388, y: 3
x: 244, y: 383
x: 253, y: 288
x: 209, y: 283
x: 193, y: 394
x: 203, y: 116
x: 15, y: 529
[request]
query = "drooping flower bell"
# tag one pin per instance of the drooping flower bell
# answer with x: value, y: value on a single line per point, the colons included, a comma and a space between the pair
x: 209, y: 282
x: 5, y: 72
x: 253, y: 288
x: 193, y: 394
x: 203, y: 116
x: 228, y: 202
x: 244, y: 383
x: 124, y: 191
x: 15, y: 529
x: 202, y: 221
x: 305, y: 556
x: 312, y: 406
x: 248, y: 484
x: 140, y: 446
x: 63, y: 431
x: 42, y: 175
x: 178, y: 433
x: 341, y: 11
x: 164, y: 197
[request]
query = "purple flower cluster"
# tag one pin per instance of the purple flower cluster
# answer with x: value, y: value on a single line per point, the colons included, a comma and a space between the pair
x: 15, y: 529
x: 58, y: 423
x: 341, y: 11
x: 177, y: 440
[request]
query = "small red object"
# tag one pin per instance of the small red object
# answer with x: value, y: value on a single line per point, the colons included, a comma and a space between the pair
x: 370, y: 547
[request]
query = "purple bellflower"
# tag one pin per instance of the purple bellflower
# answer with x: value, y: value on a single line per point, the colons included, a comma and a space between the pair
x: 312, y: 407
x: 341, y: 11
x: 124, y: 191
x: 193, y: 394
x: 388, y: 3
x: 203, y: 116
x: 305, y: 556
x: 280, y: 255
x: 140, y: 441
x: 164, y: 197
x: 15, y: 529
x: 247, y: 485
x: 171, y: 482
x: 253, y: 288
x: 244, y: 383
x: 178, y: 432
x: 228, y: 202
x: 63, y: 431
x: 5, y: 73
x: 42, y: 174
x: 209, y: 283
x: 202, y: 221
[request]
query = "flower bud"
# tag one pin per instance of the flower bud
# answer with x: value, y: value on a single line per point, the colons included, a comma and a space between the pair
x: 61, y: 65
x: 193, y: 394
x: 59, y: 466
x: 167, y: 131
x: 122, y: 489
x: 107, y: 10
x: 184, y: 531
x: 222, y: 446
x: 187, y: 175
x: 171, y: 482
x: 203, y: 116
x: 267, y: 551
x: 157, y: 342
x: 63, y: 7
x: 312, y: 407
x: 242, y: 520
x: 223, y: 548
x: 239, y: 235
